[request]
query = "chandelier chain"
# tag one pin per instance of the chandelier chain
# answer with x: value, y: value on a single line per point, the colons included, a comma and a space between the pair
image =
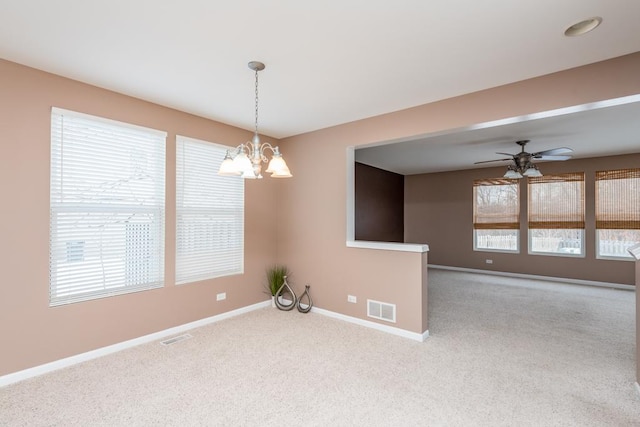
x: 256, y: 102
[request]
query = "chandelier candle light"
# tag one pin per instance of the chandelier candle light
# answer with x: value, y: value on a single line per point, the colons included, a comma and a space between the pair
x: 246, y: 159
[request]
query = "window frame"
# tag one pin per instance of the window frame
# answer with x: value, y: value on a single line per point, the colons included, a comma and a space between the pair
x: 505, y: 251
x: 624, y: 215
x: 574, y: 220
x: 582, y: 253
x: 107, y: 199
x: 194, y: 249
x: 509, y: 221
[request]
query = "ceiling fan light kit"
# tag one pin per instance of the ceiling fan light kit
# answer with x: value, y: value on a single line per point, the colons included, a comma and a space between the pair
x: 532, y: 171
x: 512, y: 173
x: 523, y: 162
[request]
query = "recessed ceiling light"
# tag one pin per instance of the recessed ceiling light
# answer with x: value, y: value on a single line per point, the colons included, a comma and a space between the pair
x: 583, y: 27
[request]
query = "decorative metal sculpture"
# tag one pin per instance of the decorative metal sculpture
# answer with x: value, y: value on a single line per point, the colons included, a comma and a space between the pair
x: 309, y: 305
x: 285, y: 289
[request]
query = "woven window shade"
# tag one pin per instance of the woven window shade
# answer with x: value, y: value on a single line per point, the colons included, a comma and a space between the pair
x: 556, y: 201
x: 496, y: 204
x: 618, y: 199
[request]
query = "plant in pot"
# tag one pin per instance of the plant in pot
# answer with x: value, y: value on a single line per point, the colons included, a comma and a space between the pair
x: 275, y: 279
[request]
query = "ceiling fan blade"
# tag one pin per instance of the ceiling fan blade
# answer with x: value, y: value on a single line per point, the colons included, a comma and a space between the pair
x: 496, y: 160
x: 553, y: 157
x: 553, y: 152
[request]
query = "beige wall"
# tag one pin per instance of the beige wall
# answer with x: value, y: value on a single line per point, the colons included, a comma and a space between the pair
x: 447, y: 199
x: 32, y: 332
x: 313, y: 204
x: 309, y: 210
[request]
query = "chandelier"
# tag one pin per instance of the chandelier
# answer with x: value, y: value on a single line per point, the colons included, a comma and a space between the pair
x: 246, y: 159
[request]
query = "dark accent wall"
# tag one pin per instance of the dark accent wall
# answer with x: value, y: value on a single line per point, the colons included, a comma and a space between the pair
x: 379, y: 204
x: 439, y: 212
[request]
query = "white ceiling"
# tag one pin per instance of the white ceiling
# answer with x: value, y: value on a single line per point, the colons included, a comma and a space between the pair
x: 593, y: 130
x: 327, y: 62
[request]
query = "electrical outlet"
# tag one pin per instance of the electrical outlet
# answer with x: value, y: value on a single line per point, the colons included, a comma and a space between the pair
x: 489, y: 261
x: 352, y: 299
x: 221, y: 296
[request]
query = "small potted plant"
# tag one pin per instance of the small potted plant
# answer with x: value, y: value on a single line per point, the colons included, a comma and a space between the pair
x: 275, y: 279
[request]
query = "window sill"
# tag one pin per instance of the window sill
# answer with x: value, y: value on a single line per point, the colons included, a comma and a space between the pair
x: 502, y: 251
x: 615, y: 258
x: 559, y: 254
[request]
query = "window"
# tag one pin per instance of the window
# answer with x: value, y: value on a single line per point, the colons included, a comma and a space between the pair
x: 106, y: 208
x: 556, y: 214
x: 617, y: 212
x: 496, y: 214
x: 210, y: 214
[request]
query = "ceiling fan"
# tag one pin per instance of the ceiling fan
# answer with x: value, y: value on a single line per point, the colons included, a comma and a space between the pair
x: 523, y: 162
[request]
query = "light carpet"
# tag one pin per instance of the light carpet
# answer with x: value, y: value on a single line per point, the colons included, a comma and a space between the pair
x: 502, y: 352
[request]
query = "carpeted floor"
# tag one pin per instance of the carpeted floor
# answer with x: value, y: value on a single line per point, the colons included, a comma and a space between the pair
x: 502, y: 352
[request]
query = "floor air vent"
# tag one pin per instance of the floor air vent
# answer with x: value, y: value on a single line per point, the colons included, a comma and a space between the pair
x: 175, y: 339
x: 381, y: 310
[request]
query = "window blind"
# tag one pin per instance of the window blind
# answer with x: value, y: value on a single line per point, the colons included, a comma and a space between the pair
x: 210, y: 213
x: 496, y: 204
x: 106, y: 208
x: 556, y: 201
x: 618, y: 199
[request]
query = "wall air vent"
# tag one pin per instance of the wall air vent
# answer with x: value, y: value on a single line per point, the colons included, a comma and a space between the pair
x: 381, y: 310
x: 175, y: 339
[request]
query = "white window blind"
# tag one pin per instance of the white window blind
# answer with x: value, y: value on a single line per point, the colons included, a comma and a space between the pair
x: 106, y: 208
x: 210, y: 214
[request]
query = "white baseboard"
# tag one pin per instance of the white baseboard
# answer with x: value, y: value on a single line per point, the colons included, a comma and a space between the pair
x: 104, y: 351
x: 368, y: 324
x: 93, y: 354
x: 535, y: 277
x: 373, y: 325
